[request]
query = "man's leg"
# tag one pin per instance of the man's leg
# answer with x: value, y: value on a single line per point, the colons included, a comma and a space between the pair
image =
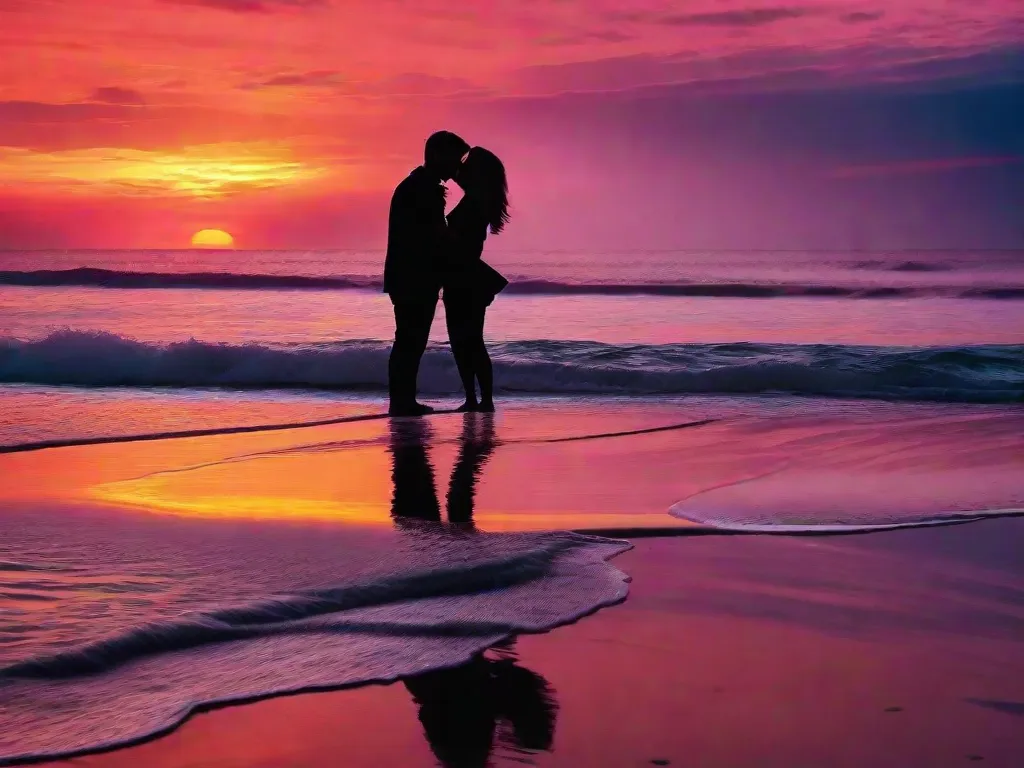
x: 412, y: 330
x: 398, y: 355
x: 423, y: 319
x: 414, y: 495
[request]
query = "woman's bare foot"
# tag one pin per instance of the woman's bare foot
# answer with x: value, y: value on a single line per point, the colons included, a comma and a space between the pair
x: 468, y: 406
x: 486, y: 406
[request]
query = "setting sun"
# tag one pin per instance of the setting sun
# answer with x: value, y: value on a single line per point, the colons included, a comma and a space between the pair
x: 212, y: 238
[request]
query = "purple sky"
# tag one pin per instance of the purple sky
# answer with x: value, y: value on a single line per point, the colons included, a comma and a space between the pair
x: 704, y: 124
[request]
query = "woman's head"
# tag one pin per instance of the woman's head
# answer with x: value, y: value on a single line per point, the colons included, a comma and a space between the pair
x: 482, y: 176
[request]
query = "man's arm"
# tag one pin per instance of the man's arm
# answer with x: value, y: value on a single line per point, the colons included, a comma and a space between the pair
x: 435, y: 226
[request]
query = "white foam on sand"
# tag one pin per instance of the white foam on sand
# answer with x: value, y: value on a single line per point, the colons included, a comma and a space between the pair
x: 443, y: 597
x: 824, y: 501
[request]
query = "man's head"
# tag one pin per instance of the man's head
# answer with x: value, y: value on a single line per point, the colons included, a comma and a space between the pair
x: 443, y: 153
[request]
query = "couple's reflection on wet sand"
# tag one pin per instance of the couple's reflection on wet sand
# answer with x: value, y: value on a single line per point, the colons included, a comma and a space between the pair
x: 465, y: 711
x: 490, y: 699
x: 414, y: 488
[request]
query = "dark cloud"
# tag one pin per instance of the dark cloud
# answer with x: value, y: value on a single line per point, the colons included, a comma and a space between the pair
x: 252, y: 6
x: 53, y: 127
x: 932, y: 165
x: 606, y: 74
x: 779, y: 69
x: 415, y: 84
x: 587, y: 36
x: 113, y: 94
x: 48, y: 126
x: 741, y: 17
x: 940, y: 69
x: 409, y: 84
x: 859, y: 17
x: 16, y: 112
x: 316, y: 78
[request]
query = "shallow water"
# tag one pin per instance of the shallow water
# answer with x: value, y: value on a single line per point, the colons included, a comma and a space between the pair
x: 115, y: 628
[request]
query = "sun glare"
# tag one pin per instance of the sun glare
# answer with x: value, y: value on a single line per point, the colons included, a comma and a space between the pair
x: 212, y: 238
x: 208, y: 171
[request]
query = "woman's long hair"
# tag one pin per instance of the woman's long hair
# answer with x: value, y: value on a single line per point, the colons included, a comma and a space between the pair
x: 485, y: 179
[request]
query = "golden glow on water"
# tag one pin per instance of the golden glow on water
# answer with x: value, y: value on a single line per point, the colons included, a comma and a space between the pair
x: 165, y: 494
x: 350, y: 486
x: 160, y: 497
x: 346, y: 474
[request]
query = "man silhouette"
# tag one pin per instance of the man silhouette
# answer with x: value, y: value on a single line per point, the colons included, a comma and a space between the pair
x: 412, y: 267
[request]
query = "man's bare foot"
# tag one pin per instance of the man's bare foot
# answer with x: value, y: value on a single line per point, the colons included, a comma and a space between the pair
x: 468, y: 407
x: 486, y: 406
x: 409, y: 409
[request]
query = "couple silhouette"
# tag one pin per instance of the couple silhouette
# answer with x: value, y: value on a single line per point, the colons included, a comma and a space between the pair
x: 490, y: 698
x: 429, y: 253
x: 463, y: 709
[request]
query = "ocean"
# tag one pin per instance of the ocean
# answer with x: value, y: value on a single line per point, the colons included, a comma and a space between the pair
x: 143, y: 578
x: 289, y: 331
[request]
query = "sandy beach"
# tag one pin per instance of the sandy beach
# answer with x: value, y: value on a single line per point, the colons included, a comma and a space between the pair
x: 890, y: 648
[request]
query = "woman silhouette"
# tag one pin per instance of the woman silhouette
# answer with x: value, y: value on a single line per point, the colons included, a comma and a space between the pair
x: 470, y: 284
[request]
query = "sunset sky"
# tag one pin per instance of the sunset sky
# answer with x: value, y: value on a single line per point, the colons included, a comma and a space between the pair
x: 700, y: 124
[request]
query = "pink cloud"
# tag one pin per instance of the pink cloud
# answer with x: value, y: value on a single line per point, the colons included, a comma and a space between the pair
x: 251, y: 6
x: 739, y: 17
x: 112, y: 94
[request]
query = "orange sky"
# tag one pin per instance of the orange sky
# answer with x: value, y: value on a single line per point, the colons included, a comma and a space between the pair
x: 137, y: 122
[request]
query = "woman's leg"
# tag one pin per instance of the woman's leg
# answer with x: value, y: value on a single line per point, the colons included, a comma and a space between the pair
x: 482, y: 360
x: 457, y: 318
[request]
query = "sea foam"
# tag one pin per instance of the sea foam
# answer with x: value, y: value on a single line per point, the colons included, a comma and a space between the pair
x: 144, y: 679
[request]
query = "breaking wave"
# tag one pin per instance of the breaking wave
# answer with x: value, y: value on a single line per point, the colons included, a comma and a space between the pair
x: 982, y: 373
x: 145, y: 679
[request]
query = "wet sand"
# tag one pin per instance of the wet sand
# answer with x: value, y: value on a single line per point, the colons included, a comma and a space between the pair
x: 889, y: 649
x: 901, y: 648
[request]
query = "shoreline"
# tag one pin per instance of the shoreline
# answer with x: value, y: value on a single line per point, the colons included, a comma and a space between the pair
x: 926, y: 686
x: 913, y: 604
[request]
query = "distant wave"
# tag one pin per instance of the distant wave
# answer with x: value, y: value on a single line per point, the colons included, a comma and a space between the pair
x: 109, y: 278
x: 905, y: 266
x: 106, y: 278
x: 984, y: 373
